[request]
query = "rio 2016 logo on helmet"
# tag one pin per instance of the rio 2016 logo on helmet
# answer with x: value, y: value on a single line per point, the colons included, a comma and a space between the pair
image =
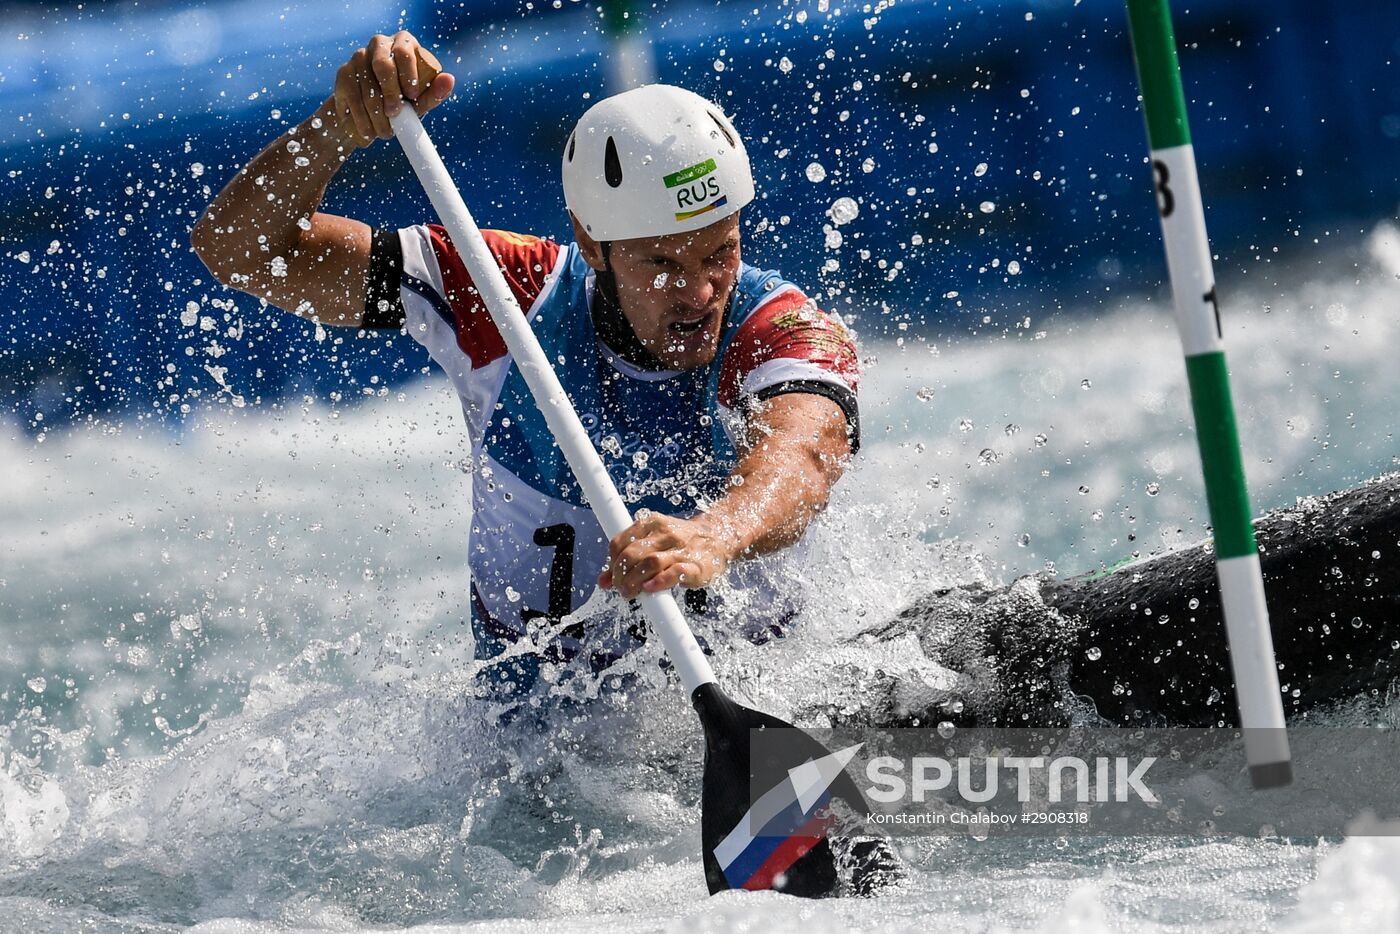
x: 654, y: 161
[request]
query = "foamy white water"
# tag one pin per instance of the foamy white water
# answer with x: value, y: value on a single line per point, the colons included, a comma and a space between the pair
x: 236, y: 679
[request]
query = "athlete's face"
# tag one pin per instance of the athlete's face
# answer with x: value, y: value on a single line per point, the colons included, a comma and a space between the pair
x: 673, y: 290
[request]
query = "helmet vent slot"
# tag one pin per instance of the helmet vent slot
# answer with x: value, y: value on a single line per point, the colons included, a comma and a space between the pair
x: 722, y: 128
x: 612, y: 165
x: 573, y: 141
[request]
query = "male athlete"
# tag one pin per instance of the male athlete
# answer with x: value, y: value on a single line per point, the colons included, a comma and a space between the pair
x: 722, y: 400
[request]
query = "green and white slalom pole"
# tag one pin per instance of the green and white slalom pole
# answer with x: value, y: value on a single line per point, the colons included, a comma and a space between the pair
x: 631, y: 62
x: 1198, y: 321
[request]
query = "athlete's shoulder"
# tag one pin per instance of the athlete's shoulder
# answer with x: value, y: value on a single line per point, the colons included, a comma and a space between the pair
x: 784, y: 343
x: 525, y: 260
x: 435, y: 272
x: 786, y: 322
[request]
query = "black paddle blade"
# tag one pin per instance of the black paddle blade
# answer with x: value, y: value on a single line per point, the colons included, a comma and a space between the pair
x: 765, y: 827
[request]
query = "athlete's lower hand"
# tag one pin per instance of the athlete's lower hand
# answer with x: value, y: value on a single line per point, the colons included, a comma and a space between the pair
x: 373, y: 85
x: 658, y: 552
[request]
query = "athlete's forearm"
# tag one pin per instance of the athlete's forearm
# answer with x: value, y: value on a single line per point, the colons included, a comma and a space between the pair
x: 259, y: 223
x: 798, y: 450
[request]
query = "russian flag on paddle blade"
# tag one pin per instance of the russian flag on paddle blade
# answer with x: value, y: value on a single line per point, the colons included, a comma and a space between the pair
x: 782, y: 825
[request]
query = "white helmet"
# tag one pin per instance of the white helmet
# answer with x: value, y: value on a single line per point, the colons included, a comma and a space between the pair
x: 653, y: 161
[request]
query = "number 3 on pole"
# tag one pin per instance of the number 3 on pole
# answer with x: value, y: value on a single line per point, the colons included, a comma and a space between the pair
x: 1166, y: 202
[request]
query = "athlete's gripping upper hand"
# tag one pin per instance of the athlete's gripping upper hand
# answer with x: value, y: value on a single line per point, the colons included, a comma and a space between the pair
x: 265, y: 232
x: 374, y: 84
x: 658, y: 552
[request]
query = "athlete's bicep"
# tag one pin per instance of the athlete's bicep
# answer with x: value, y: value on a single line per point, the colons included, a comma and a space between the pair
x: 799, y: 425
x: 323, y: 278
x: 790, y: 348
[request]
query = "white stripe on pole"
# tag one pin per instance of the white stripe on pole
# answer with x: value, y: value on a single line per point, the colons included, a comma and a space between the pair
x: 1188, y: 250
x: 1252, y: 659
x: 691, y: 664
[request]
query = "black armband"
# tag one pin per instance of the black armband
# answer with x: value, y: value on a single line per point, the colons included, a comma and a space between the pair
x: 839, y: 394
x: 383, y: 302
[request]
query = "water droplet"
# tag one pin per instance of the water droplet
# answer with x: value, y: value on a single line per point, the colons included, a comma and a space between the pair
x: 1024, y: 540
x: 38, y: 685
x: 1153, y: 489
x: 980, y: 170
x: 924, y: 394
x: 1193, y: 603
x: 660, y: 281
x: 1083, y: 490
x: 1041, y: 440
x: 784, y: 64
x: 946, y: 729
x: 965, y: 424
x: 1013, y: 268
x: 1356, y: 622
x: 843, y: 210
x: 512, y: 595
x: 1085, y: 384
x: 987, y: 207
x: 816, y: 172
x: 987, y: 457
x: 719, y: 64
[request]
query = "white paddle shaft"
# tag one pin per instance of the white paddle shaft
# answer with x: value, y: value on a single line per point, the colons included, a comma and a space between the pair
x: 661, y: 608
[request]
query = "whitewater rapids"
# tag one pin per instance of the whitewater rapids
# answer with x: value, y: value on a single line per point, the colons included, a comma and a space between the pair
x: 236, y: 676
